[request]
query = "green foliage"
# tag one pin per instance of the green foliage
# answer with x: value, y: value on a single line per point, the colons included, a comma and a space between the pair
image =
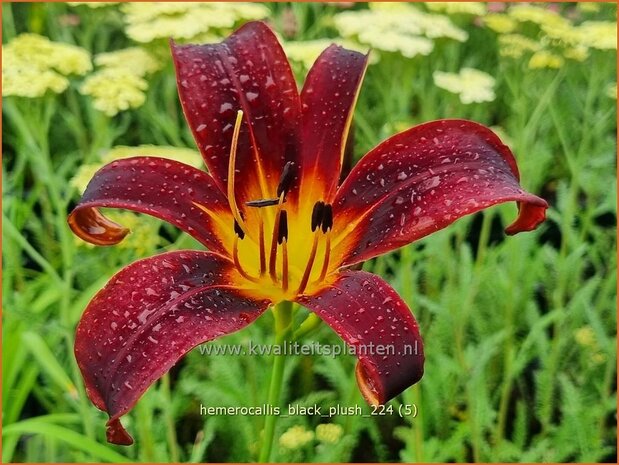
x: 520, y: 332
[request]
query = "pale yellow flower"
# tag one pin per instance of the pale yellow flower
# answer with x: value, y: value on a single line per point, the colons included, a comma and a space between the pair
x: 397, y: 27
x: 329, y: 433
x: 115, y: 90
x: 611, y: 90
x: 535, y: 14
x: 38, y: 51
x: 516, y: 45
x: 500, y: 23
x: 598, y: 34
x: 585, y: 336
x: 92, y: 4
x: 86, y: 172
x: 470, y: 84
x: 588, y: 7
x: 296, y: 438
x: 185, y: 20
x: 134, y: 59
x: 468, y: 8
x: 577, y: 53
x: 305, y: 52
x: 34, y: 65
x: 545, y: 59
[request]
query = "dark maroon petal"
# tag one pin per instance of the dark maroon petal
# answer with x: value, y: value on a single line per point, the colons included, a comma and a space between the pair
x: 248, y: 71
x: 328, y: 98
x: 147, y: 317
x: 160, y: 187
x: 420, y: 181
x: 372, y: 318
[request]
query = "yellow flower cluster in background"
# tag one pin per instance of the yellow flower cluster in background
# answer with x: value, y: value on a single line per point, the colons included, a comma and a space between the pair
x: 92, y: 4
x: 397, y: 27
x: 585, y: 337
x: 120, y: 85
x: 86, y: 172
x: 556, y: 40
x: 305, y: 52
x: 470, y: 84
x: 329, y: 433
x: 296, y: 437
x: 150, y: 21
x: 34, y: 65
x: 144, y: 236
x: 451, y: 8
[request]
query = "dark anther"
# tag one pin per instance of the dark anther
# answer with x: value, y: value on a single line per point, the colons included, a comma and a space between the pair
x: 285, y: 180
x: 262, y: 203
x: 282, y: 230
x: 238, y: 231
x: 317, y: 214
x: 327, y: 218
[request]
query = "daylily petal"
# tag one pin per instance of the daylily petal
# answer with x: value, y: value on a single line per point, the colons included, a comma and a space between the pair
x: 328, y: 98
x: 420, y: 181
x: 371, y: 317
x: 248, y: 71
x: 147, y: 317
x: 160, y: 187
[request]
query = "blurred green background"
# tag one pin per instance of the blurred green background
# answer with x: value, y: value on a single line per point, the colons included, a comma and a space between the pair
x: 520, y: 332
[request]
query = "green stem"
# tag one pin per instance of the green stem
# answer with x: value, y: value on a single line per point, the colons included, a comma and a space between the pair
x: 282, y: 314
x: 169, y: 419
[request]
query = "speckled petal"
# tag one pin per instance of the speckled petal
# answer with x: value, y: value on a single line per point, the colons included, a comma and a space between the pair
x: 248, y: 71
x: 420, y: 181
x: 147, y: 317
x: 328, y: 98
x: 160, y: 187
x: 372, y: 318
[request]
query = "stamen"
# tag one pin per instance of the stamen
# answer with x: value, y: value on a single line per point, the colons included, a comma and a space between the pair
x: 285, y: 179
x: 231, y: 170
x: 237, y: 263
x: 308, y: 267
x: 327, y: 218
x: 317, y: 213
x: 273, y: 254
x: 263, y: 258
x: 325, y: 263
x: 262, y: 203
x: 285, y: 265
x: 282, y: 231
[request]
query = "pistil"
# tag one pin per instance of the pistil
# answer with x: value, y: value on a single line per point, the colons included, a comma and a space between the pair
x: 232, y: 170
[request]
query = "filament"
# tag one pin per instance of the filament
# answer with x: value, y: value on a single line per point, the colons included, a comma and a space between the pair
x: 308, y: 267
x: 263, y: 259
x: 273, y: 254
x: 325, y: 263
x: 285, y: 265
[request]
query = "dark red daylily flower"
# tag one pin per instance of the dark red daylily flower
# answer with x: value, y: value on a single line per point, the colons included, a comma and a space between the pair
x: 277, y: 225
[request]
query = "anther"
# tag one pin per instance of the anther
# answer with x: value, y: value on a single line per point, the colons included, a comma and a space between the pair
x: 262, y: 203
x: 327, y: 218
x: 282, y: 231
x: 317, y: 214
x: 285, y: 180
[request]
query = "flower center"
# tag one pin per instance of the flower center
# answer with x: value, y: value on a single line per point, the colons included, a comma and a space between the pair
x: 290, y: 232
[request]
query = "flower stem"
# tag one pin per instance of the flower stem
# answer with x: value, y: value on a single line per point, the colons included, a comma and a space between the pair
x: 282, y: 314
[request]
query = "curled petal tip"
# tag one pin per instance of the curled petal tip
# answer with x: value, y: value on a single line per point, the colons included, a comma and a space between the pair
x: 367, y: 387
x: 531, y: 214
x: 90, y: 225
x: 117, y: 434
